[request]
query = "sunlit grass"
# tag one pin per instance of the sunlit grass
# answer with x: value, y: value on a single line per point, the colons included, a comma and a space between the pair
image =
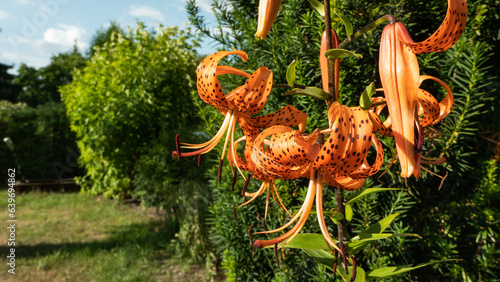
x: 75, y: 237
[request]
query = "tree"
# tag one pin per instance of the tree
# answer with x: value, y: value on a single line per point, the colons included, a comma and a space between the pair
x: 104, y: 35
x: 9, y: 91
x: 39, y: 86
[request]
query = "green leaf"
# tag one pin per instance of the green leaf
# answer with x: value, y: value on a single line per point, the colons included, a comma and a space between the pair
x: 379, y: 236
x: 321, y: 256
x: 365, y: 101
x: 290, y: 73
x: 347, y: 23
x: 348, y: 213
x: 396, y: 270
x: 380, y: 226
x: 320, y: 8
x: 360, y: 242
x: 365, y: 192
x: 326, y: 258
x: 314, y: 92
x: 308, y: 241
x: 340, y: 53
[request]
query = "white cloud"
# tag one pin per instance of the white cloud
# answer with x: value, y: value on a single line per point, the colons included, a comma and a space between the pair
x: 205, y: 5
x: 65, y: 37
x: 145, y: 11
x: 3, y: 14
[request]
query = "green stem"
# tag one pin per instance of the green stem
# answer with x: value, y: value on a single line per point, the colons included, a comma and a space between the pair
x: 284, y: 85
x: 387, y: 18
x: 329, y: 45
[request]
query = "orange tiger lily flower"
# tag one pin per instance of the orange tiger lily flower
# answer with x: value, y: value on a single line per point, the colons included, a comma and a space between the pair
x: 399, y: 74
x: 268, y: 10
x: 339, y: 162
x: 238, y: 106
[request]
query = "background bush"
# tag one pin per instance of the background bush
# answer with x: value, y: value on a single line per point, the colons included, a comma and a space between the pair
x: 44, y: 146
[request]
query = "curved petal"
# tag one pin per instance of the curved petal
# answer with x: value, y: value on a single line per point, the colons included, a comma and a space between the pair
x: 344, y: 182
x: 360, y: 140
x: 288, y: 116
x: 252, y: 97
x: 335, y: 146
x: 378, y: 126
x: 447, y: 34
x: 446, y: 104
x: 428, y: 108
x: 275, y: 161
x: 366, y: 170
x: 208, y: 85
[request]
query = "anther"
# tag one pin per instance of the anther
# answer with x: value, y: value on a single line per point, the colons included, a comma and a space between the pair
x: 251, y: 238
x: 276, y: 255
x: 234, y: 181
x: 246, y: 184
x: 219, y: 171
x: 178, y: 146
x: 336, y: 255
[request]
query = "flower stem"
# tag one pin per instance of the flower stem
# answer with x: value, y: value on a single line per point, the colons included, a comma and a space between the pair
x: 329, y: 45
x: 387, y: 18
x: 284, y: 85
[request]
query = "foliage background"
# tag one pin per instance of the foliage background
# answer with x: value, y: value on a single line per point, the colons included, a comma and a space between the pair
x: 460, y: 220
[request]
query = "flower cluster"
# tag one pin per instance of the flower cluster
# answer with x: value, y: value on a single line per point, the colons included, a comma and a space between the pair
x: 276, y: 145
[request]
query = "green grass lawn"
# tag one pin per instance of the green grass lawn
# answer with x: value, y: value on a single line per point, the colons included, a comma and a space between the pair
x: 76, y: 237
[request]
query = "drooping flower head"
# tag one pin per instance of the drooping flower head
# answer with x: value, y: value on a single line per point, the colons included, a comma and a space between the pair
x: 238, y: 106
x: 340, y: 161
x: 400, y: 77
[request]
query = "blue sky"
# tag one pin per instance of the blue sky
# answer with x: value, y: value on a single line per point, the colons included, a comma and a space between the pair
x: 35, y: 30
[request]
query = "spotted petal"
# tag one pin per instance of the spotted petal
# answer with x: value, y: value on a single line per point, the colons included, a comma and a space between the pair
x: 208, y: 85
x: 447, y: 34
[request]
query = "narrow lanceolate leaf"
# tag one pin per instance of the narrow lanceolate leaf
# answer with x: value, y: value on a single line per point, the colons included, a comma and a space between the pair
x: 318, y: 6
x: 376, y: 237
x: 365, y: 101
x: 380, y: 226
x: 347, y: 23
x: 396, y: 270
x: 314, y: 92
x: 365, y: 192
x: 290, y: 73
x: 340, y: 53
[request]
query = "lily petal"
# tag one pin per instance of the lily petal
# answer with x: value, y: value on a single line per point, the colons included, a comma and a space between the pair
x: 399, y: 74
x: 252, y: 97
x: 208, y: 85
x: 447, y: 34
x: 268, y: 10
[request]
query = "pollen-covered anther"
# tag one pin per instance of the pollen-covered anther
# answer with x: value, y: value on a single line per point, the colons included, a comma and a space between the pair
x: 178, y: 147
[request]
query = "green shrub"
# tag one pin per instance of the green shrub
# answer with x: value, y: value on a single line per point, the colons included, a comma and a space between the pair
x: 45, y: 147
x: 133, y: 95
